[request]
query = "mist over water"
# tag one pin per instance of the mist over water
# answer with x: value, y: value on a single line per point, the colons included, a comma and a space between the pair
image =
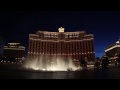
x: 43, y: 63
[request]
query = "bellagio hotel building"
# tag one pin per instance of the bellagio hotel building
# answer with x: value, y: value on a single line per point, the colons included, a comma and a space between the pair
x: 76, y: 45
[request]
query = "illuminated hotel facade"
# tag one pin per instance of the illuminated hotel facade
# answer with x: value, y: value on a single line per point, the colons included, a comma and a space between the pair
x: 76, y: 45
x: 113, y: 51
x: 15, y: 50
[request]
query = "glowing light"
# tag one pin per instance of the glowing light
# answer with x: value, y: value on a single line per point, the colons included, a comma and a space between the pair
x: 112, y: 48
x: 117, y: 42
x: 61, y: 29
x: 56, y: 64
x: 13, y: 43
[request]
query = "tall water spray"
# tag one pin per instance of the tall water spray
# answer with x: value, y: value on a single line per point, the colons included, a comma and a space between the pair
x: 44, y: 63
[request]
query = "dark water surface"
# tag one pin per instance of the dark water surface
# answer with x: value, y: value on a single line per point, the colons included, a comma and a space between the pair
x: 15, y: 72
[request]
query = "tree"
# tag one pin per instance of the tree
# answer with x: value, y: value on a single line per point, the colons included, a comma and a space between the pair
x: 105, y: 62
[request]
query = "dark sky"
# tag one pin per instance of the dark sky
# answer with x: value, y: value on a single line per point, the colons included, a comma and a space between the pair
x: 105, y: 25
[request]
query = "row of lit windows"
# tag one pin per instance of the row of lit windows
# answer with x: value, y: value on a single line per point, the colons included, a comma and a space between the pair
x: 61, y: 38
x: 65, y: 48
x: 63, y: 53
x: 60, y: 42
x: 62, y: 48
x: 87, y: 46
x: 55, y: 46
x: 67, y: 45
x: 42, y: 34
x: 13, y: 53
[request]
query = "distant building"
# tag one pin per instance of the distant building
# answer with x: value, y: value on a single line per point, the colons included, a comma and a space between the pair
x: 15, y: 50
x: 2, y: 42
x: 77, y: 45
x: 113, y: 50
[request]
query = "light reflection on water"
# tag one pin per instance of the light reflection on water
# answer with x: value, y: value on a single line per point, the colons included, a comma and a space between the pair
x: 15, y: 72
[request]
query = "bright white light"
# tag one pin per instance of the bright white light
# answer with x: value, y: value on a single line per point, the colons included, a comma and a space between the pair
x: 112, y: 48
x: 117, y: 42
x: 61, y: 29
x: 54, y: 64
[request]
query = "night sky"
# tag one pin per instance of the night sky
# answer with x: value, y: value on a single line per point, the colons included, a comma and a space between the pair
x: 15, y: 26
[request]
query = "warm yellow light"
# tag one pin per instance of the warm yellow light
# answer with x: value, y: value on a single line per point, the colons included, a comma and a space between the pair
x: 61, y: 29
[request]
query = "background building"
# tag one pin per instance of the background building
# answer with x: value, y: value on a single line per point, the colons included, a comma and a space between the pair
x: 76, y: 45
x: 2, y: 42
x: 113, y: 51
x: 14, y: 50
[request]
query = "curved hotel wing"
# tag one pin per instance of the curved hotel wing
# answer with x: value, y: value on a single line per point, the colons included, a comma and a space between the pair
x: 113, y: 50
x: 76, y: 45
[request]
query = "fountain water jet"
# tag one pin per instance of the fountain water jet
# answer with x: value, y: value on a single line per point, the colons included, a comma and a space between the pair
x: 43, y: 63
